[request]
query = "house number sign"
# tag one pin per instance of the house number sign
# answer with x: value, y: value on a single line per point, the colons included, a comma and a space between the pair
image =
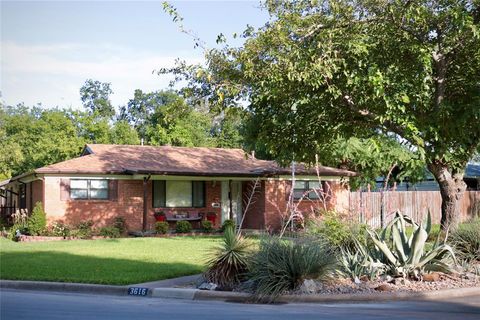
x: 137, y: 291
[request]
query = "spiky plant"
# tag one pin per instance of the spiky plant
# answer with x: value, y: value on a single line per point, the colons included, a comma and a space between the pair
x: 282, y: 265
x: 406, y: 255
x: 228, y: 263
x: 358, y: 263
x: 466, y: 240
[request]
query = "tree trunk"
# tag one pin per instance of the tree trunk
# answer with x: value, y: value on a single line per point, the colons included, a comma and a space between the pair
x: 452, y: 188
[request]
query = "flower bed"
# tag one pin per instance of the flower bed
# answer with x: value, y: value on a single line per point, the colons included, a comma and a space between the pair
x: 24, y: 238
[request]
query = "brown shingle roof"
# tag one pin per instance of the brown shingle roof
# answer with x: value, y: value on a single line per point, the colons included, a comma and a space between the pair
x: 125, y: 159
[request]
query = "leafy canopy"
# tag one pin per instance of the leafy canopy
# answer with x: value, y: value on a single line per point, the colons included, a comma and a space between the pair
x: 323, y: 70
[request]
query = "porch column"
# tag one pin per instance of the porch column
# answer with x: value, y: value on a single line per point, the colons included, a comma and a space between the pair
x: 145, y: 204
x: 230, y: 206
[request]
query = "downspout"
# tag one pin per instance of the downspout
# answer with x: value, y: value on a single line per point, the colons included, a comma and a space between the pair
x: 145, y: 204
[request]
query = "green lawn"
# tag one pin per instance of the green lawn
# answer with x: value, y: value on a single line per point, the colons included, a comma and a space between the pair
x: 113, y: 261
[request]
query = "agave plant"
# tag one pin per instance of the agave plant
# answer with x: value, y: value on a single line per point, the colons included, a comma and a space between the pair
x: 406, y: 255
x: 228, y: 263
x: 359, y: 263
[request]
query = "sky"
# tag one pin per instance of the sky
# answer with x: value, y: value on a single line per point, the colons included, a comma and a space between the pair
x: 49, y: 48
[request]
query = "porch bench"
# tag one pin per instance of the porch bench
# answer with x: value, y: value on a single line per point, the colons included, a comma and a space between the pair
x: 195, y: 217
x: 184, y: 219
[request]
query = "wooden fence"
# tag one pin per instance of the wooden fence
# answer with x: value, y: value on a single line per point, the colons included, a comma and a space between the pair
x: 366, y: 207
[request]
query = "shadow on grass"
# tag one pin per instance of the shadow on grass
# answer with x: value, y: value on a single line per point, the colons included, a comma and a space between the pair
x: 65, y: 267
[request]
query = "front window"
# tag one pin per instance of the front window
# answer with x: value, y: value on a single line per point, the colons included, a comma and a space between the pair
x: 178, y: 194
x: 89, y: 189
x: 307, y: 189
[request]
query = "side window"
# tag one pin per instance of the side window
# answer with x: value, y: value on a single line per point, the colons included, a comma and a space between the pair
x: 307, y: 189
x: 88, y: 189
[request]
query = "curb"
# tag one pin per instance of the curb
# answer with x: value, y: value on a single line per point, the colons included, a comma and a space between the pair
x: 64, y: 287
x: 174, y: 293
x: 195, y: 294
x: 228, y: 296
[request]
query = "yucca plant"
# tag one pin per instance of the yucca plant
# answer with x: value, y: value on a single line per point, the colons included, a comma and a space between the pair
x: 228, y: 263
x: 466, y: 240
x: 282, y: 265
x: 406, y: 255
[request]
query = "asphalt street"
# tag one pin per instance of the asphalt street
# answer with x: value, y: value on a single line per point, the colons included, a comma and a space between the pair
x: 16, y: 304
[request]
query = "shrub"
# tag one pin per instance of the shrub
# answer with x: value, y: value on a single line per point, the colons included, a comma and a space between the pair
x: 207, y: 226
x: 466, y: 240
x: 161, y: 227
x: 228, y: 264
x: 109, y: 232
x: 119, y: 223
x: 59, y: 229
x: 38, y: 220
x: 282, y: 265
x: 83, y: 230
x: 228, y: 223
x: 183, y: 227
x: 337, y: 232
x: 20, y: 223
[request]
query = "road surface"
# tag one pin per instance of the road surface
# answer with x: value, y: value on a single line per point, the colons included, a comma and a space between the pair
x: 16, y: 304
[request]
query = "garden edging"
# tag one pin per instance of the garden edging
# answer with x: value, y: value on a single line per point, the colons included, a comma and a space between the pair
x: 195, y: 294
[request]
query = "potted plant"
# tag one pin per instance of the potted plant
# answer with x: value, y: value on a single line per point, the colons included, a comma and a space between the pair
x: 211, y: 216
x: 160, y: 216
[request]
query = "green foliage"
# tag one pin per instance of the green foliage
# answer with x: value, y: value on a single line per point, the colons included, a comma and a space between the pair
x: 83, y: 230
x: 228, y: 263
x: 183, y: 227
x: 320, y: 71
x: 109, y: 232
x: 37, y: 222
x: 207, y: 226
x: 123, y: 133
x: 164, y: 117
x: 466, y: 240
x: 161, y: 227
x: 59, y: 229
x: 282, y: 265
x: 228, y: 223
x: 20, y: 223
x: 37, y: 137
x: 407, y: 255
x: 354, y: 264
x: 337, y: 232
x: 12, y: 233
x: 119, y: 223
x: 95, y: 98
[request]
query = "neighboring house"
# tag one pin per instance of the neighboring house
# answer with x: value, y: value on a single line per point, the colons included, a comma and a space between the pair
x: 471, y: 178
x: 107, y: 181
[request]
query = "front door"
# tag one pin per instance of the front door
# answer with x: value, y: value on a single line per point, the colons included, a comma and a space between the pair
x: 233, y: 201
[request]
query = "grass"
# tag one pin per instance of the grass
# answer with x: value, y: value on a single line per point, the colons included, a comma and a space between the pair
x: 114, y: 261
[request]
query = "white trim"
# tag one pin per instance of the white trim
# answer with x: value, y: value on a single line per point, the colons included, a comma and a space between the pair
x: 310, y: 178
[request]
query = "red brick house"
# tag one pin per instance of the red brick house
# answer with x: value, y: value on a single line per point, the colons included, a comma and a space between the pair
x: 107, y: 181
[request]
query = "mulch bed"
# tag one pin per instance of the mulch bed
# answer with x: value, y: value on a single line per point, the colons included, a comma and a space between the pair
x: 347, y: 286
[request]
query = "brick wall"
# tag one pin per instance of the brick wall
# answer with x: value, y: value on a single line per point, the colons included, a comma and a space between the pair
x: 129, y: 204
x: 254, y: 216
x: 270, y: 206
x: 265, y: 213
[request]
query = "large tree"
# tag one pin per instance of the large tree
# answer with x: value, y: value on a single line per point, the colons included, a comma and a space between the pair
x: 321, y: 70
x: 95, y: 96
